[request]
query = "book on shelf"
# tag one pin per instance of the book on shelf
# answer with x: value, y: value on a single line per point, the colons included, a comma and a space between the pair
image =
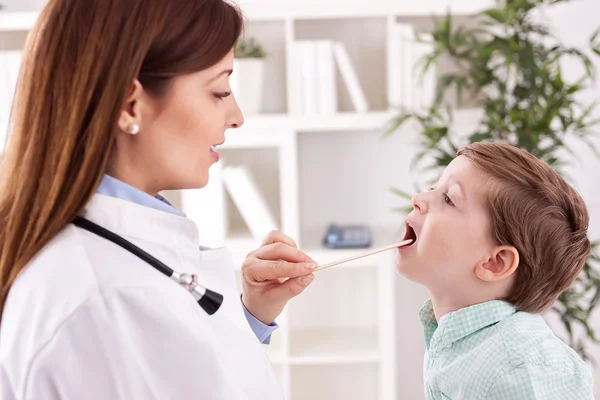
x: 350, y: 78
x: 248, y: 199
x: 315, y: 79
x: 409, y: 89
x: 327, y: 92
x: 310, y: 81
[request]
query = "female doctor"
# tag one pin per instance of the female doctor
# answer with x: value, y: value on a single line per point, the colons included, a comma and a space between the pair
x: 117, y: 101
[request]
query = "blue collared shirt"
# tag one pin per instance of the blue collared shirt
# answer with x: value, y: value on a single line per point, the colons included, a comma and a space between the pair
x: 116, y: 188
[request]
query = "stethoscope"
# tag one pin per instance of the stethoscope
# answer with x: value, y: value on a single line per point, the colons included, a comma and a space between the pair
x: 209, y: 300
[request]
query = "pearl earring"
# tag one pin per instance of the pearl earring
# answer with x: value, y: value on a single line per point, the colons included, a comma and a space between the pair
x: 134, y: 129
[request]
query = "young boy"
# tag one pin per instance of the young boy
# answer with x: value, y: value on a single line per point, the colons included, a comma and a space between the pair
x: 496, y: 242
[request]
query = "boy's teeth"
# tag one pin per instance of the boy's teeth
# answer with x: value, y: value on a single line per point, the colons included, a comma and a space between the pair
x: 212, y: 148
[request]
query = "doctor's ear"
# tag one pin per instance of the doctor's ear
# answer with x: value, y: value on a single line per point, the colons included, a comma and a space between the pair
x: 130, y: 117
x: 501, y: 264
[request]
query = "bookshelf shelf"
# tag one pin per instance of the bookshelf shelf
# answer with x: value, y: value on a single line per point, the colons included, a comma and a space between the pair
x: 343, y: 122
x: 264, y: 130
x: 368, y: 357
x: 338, y: 339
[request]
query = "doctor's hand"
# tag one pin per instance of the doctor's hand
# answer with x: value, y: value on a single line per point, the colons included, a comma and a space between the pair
x: 273, y: 274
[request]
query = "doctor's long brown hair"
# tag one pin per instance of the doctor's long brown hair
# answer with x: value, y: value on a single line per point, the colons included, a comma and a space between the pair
x: 79, y: 63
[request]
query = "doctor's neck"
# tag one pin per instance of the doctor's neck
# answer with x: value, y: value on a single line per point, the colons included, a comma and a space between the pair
x: 143, y: 183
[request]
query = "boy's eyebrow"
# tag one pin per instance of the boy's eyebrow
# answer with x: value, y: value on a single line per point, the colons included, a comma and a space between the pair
x: 461, y: 191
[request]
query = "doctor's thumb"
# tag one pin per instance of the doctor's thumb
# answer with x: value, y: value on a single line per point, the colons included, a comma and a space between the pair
x: 306, y: 280
x: 294, y: 286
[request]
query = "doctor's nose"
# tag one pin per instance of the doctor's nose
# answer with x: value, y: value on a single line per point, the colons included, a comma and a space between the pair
x: 235, y: 118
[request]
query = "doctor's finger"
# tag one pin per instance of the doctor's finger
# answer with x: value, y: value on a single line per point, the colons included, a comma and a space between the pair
x: 281, y: 251
x: 277, y: 236
x: 291, y: 288
x: 263, y: 270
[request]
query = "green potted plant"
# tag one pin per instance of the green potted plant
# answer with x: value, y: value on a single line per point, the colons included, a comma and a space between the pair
x: 247, y: 79
x: 510, y: 64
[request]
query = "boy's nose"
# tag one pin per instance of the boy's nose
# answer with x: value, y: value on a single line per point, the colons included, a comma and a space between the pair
x: 419, y: 203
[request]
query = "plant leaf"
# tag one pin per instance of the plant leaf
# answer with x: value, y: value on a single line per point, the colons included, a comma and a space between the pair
x: 496, y: 14
x: 396, y: 123
x: 401, y: 193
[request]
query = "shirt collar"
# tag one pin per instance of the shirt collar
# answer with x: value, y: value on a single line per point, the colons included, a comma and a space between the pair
x: 113, y: 187
x: 135, y: 221
x: 459, y: 324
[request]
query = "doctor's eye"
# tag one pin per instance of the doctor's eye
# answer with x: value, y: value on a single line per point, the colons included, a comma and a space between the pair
x: 222, y: 95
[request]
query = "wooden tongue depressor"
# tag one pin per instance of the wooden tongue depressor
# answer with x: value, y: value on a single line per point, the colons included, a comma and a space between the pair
x: 391, y: 246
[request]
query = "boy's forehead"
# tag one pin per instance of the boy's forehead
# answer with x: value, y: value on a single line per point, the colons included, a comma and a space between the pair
x: 459, y: 169
x: 464, y: 173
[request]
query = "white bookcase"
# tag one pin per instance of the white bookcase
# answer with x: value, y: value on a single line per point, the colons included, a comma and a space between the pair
x: 338, y: 339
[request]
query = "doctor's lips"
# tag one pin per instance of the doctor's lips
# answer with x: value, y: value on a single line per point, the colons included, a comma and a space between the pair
x: 213, y: 149
x: 214, y: 146
x: 410, y: 234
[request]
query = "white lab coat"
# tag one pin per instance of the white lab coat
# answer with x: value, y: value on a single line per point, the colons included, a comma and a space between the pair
x: 88, y: 320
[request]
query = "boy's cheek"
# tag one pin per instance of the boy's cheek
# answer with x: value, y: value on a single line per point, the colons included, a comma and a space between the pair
x: 439, y: 255
x: 435, y: 245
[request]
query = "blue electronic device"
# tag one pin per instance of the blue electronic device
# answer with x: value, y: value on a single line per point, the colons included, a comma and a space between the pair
x: 347, y: 237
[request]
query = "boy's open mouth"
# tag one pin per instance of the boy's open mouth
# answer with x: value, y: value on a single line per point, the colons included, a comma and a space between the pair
x: 410, y: 234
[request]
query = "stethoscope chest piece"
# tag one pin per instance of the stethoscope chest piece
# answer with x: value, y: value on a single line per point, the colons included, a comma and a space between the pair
x: 209, y: 300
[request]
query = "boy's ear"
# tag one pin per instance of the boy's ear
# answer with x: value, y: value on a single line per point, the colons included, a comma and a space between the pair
x: 503, y: 262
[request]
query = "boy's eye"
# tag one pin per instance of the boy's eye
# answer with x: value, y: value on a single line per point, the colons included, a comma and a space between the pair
x: 447, y: 200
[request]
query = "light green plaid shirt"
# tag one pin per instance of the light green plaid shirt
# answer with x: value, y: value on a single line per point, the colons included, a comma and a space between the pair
x: 490, y: 351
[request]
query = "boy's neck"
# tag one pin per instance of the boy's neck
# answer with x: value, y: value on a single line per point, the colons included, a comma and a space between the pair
x: 443, y: 305
x: 450, y: 298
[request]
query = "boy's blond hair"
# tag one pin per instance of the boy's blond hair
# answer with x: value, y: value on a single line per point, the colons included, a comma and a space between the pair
x: 533, y: 209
